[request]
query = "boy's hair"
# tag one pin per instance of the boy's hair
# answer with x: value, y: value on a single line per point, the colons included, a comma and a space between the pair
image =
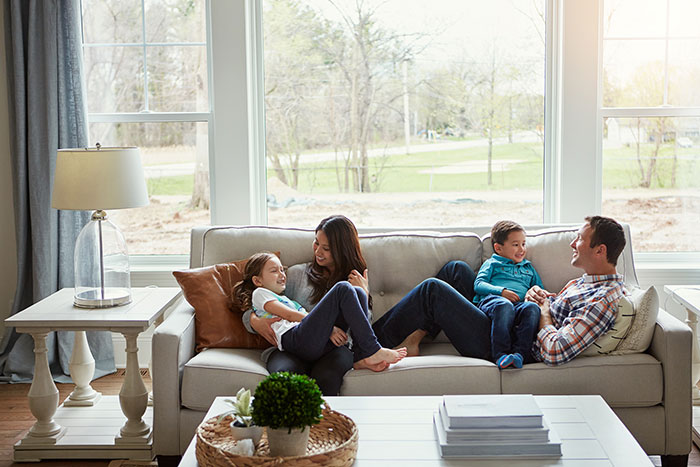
x: 608, y: 232
x: 501, y: 230
x: 243, y: 290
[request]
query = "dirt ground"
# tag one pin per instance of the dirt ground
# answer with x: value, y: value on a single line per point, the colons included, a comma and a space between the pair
x: 661, y: 220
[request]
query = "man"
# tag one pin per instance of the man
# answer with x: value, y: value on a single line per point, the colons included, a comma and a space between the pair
x: 585, y: 308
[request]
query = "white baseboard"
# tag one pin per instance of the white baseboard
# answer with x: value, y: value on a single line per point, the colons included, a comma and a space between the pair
x: 144, y: 344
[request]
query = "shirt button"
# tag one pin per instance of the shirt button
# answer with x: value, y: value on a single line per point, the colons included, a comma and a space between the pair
x: 381, y: 293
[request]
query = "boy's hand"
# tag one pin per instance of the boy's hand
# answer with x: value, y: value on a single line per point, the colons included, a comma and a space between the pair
x: 510, y: 295
x: 338, y: 337
x: 538, y: 295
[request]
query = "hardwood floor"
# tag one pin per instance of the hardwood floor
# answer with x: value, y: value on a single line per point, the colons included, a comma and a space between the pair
x: 16, y: 419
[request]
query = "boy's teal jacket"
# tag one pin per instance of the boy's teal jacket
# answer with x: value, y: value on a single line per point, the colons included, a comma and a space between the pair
x: 498, y: 273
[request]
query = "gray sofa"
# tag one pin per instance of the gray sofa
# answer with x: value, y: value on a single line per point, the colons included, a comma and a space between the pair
x: 650, y: 391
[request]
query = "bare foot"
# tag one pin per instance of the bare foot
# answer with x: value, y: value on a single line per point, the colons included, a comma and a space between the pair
x: 362, y: 365
x: 412, y: 343
x: 386, y: 355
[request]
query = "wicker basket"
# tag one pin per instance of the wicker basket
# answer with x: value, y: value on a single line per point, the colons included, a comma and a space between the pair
x: 333, y: 442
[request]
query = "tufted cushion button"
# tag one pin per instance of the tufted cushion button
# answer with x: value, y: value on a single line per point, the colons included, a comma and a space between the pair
x: 381, y: 293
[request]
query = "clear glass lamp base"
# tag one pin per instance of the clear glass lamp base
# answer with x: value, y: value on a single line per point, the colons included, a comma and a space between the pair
x: 94, y: 298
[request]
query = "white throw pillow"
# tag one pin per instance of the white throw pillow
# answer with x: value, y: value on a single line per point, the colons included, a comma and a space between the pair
x: 646, y: 305
x: 611, y: 340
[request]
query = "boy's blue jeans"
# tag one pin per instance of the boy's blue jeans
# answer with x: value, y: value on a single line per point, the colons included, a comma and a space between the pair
x: 344, y: 306
x: 440, y: 303
x: 513, y: 325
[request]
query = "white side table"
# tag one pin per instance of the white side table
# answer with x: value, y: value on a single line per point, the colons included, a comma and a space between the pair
x: 688, y: 296
x: 132, y: 436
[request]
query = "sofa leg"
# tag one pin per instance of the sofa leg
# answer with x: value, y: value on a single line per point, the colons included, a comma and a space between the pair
x: 674, y: 461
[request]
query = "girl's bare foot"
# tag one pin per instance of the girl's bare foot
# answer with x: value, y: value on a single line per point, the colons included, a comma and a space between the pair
x: 362, y: 365
x: 412, y: 342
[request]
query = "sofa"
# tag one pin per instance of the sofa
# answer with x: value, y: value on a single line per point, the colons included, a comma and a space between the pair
x: 649, y: 391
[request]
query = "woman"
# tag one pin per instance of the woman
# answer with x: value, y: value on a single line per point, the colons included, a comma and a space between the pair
x: 337, y: 257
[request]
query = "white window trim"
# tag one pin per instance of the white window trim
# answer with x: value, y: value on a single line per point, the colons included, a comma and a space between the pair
x: 573, y: 119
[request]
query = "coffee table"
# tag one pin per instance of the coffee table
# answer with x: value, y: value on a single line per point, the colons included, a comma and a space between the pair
x: 398, y: 431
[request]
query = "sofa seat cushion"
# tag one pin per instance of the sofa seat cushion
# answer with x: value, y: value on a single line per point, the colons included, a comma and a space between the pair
x: 438, y: 370
x: 220, y: 372
x: 623, y: 381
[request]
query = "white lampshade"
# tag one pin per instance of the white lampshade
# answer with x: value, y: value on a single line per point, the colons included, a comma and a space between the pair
x: 104, y: 178
x: 100, y: 178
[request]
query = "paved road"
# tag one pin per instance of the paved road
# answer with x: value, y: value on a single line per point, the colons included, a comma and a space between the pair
x: 169, y: 170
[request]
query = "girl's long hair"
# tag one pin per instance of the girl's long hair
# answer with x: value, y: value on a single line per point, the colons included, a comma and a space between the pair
x: 243, y: 290
x: 345, y: 249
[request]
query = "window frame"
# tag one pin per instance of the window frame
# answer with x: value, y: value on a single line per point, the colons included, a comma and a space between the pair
x: 573, y: 120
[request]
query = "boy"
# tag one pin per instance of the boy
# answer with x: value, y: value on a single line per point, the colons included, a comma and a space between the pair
x: 500, y: 288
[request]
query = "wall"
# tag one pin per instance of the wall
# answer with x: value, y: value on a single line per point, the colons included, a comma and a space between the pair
x: 8, y: 252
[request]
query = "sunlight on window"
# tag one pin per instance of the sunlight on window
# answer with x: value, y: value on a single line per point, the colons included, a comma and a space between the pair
x: 404, y: 113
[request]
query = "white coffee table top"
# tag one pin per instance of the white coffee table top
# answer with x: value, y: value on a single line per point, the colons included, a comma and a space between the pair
x: 57, y: 312
x: 398, y: 431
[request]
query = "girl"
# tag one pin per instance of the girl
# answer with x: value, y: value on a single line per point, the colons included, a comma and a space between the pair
x: 311, y: 335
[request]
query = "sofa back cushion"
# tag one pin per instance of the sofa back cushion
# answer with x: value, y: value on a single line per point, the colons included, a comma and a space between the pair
x: 399, y: 261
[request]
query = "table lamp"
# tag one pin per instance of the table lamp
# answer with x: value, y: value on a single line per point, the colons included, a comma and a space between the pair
x: 97, y: 179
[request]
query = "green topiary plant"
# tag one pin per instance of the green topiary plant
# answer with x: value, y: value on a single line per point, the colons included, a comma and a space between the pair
x: 286, y: 400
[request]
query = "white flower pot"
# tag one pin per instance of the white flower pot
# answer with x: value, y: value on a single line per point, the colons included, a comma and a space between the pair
x: 244, y: 432
x: 282, y: 443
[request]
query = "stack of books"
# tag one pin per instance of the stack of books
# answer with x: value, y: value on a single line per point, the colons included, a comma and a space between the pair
x: 494, y: 425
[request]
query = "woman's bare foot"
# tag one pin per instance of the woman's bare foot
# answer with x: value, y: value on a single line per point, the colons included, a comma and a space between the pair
x: 412, y: 342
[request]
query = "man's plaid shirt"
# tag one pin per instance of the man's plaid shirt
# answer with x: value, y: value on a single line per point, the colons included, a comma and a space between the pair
x: 583, y: 311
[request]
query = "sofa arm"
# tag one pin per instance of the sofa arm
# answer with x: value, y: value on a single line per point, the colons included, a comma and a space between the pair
x: 672, y: 346
x: 171, y: 348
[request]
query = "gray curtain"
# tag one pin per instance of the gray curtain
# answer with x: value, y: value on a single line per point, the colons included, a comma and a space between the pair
x: 47, y: 112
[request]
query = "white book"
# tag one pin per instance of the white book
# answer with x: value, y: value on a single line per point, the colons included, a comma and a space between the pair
x: 492, y: 411
x: 551, y: 448
x: 492, y: 435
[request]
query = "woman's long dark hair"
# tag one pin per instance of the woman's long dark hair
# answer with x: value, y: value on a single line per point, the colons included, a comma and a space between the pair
x: 345, y: 249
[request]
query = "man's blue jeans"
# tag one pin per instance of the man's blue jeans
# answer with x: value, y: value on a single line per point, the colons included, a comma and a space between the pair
x: 344, y: 306
x: 513, y: 325
x: 440, y: 303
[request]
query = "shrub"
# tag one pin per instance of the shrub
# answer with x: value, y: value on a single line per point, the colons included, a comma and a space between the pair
x: 285, y: 400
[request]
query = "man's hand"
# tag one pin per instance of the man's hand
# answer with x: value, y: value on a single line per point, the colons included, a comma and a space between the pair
x: 537, y: 294
x: 545, y: 316
x: 338, y: 337
x: 263, y: 326
x: 359, y: 280
x: 510, y: 295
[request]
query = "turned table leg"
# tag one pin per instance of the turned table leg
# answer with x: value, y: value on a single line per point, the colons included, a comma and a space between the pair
x: 82, y: 369
x: 692, y: 322
x: 133, y: 396
x: 43, y: 397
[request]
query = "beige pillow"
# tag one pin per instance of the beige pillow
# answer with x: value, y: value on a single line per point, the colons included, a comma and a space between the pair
x: 646, y: 306
x: 610, y: 341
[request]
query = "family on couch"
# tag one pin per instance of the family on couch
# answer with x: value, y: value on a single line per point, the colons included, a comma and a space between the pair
x: 509, y: 301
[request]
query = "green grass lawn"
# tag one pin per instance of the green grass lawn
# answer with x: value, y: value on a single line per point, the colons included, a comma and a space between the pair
x: 403, y: 173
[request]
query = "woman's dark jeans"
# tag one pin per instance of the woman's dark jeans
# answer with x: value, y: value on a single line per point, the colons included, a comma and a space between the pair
x: 440, y: 303
x: 328, y: 371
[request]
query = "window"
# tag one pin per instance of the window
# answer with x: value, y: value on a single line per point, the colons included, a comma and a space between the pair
x: 404, y: 113
x: 146, y: 71
x: 651, y: 120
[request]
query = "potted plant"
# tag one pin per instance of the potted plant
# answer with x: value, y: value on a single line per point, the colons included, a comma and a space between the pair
x: 242, y: 425
x: 287, y: 404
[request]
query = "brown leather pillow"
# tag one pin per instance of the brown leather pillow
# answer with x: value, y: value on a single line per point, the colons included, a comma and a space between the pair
x: 217, y: 315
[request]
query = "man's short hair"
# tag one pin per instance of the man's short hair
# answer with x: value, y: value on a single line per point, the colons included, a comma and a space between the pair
x: 501, y: 230
x: 608, y: 232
